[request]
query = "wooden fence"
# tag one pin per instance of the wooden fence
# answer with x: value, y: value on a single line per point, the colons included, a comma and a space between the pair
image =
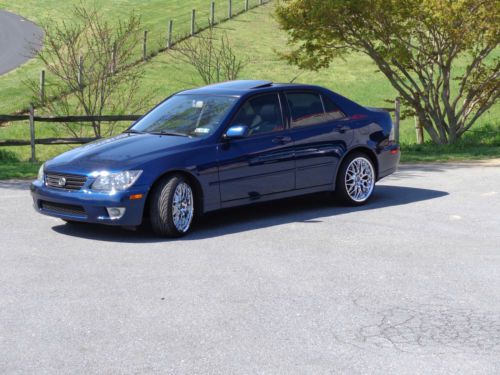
x: 105, y: 118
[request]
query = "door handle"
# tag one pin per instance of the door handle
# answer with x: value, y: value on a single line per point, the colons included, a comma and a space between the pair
x: 342, y: 128
x: 282, y: 139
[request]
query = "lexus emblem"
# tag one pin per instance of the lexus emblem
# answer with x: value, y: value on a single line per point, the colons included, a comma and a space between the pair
x: 61, y: 182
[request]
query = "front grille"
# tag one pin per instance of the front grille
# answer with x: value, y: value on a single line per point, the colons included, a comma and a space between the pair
x: 65, y: 181
x: 62, y: 208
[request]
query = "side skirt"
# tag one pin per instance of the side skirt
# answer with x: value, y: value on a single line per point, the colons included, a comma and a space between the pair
x: 275, y: 196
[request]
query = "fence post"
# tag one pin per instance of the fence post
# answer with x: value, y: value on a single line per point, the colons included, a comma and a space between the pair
x: 169, y: 37
x: 212, y: 13
x: 246, y: 5
x: 229, y: 9
x: 145, y: 46
x: 419, y: 130
x: 193, y: 22
x: 397, y: 109
x: 261, y: 2
x: 42, y: 87
x: 80, y: 71
x: 32, y: 132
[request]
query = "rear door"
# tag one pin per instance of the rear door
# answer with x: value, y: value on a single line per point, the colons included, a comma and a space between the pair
x: 321, y: 134
x: 261, y: 163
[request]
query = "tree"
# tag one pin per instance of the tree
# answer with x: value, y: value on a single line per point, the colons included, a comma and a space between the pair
x: 212, y: 57
x: 416, y: 44
x: 93, y: 68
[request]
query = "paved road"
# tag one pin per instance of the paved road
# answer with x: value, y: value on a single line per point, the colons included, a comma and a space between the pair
x: 18, y: 37
x: 408, y: 284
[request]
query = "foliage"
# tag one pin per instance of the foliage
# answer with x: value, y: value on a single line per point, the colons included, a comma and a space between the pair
x: 415, y: 44
x: 7, y: 156
x: 11, y: 167
x: 213, y: 58
x: 94, y: 61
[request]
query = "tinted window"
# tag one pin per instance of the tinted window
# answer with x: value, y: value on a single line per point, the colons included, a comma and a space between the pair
x: 332, y: 111
x: 307, y: 109
x: 261, y: 114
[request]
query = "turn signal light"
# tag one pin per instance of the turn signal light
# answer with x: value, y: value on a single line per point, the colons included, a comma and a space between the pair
x: 135, y: 196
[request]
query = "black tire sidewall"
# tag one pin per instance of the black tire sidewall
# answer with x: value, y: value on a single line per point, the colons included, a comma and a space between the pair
x: 161, y: 207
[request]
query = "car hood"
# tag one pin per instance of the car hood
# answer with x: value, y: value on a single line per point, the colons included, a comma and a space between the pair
x: 125, y: 151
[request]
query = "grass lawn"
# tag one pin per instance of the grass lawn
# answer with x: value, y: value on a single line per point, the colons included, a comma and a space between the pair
x: 155, y: 15
x: 18, y: 170
x: 11, y: 167
x: 256, y: 37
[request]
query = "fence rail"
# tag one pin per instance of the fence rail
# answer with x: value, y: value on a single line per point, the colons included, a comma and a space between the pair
x: 56, y: 119
x: 104, y: 118
x: 46, y: 141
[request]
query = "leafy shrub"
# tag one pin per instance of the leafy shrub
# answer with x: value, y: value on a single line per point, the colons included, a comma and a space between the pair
x: 8, y: 156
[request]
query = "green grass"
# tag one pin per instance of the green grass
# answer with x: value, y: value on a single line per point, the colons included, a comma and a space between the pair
x: 480, y: 144
x: 429, y: 152
x: 155, y: 15
x: 11, y: 167
x: 256, y: 37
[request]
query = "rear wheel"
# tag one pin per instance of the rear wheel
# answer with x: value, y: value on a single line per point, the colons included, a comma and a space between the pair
x: 355, y: 180
x: 172, y: 207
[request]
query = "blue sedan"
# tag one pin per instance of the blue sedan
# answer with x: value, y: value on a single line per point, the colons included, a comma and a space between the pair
x: 219, y: 146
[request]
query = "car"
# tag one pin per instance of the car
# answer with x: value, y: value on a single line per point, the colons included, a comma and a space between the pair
x: 219, y: 146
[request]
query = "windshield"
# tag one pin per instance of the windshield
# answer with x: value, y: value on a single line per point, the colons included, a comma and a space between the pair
x: 186, y: 115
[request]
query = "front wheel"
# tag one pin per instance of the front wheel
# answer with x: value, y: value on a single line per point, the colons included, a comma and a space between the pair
x: 172, y: 207
x: 355, y: 180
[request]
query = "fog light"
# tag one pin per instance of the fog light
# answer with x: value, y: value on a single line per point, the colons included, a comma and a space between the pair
x: 115, y: 213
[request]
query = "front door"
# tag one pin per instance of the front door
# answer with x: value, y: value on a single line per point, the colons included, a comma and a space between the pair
x: 262, y: 163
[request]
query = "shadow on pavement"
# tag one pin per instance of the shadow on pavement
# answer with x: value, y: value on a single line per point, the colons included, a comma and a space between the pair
x: 306, y: 209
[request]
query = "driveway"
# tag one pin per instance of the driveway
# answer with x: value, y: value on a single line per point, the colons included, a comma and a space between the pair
x: 409, y: 284
x: 18, y: 38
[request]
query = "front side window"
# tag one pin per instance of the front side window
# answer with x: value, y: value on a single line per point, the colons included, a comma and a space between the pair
x: 187, y: 115
x: 307, y: 109
x: 261, y: 114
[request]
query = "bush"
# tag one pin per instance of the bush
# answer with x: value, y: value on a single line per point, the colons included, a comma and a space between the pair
x: 8, y: 156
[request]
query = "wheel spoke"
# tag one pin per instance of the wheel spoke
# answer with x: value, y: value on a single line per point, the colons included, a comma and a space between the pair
x: 359, y: 179
x: 182, y: 207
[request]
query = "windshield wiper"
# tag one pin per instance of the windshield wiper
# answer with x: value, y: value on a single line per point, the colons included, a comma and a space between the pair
x: 133, y: 131
x: 165, y: 132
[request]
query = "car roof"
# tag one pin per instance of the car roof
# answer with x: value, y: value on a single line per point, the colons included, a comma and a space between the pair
x: 242, y: 87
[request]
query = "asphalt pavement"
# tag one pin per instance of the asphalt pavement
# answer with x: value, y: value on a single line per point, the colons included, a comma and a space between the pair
x: 408, y: 284
x: 18, y: 39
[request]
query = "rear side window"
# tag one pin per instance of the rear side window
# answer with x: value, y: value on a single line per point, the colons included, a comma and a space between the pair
x: 332, y: 111
x: 307, y: 109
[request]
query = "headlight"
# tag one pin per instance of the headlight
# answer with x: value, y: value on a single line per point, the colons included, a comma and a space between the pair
x: 40, y: 173
x: 109, y: 182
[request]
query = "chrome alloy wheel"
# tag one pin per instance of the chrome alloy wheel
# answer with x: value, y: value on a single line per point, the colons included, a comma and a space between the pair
x: 359, y: 179
x: 182, y: 207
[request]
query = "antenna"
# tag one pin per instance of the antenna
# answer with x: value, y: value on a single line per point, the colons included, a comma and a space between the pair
x: 294, y: 78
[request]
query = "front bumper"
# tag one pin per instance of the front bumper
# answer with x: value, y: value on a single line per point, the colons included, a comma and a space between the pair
x: 89, y: 206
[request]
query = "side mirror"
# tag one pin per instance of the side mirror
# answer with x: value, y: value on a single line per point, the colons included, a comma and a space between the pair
x: 236, y: 132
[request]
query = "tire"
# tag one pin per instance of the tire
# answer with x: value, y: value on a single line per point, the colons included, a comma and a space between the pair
x: 355, y: 180
x: 172, y: 207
